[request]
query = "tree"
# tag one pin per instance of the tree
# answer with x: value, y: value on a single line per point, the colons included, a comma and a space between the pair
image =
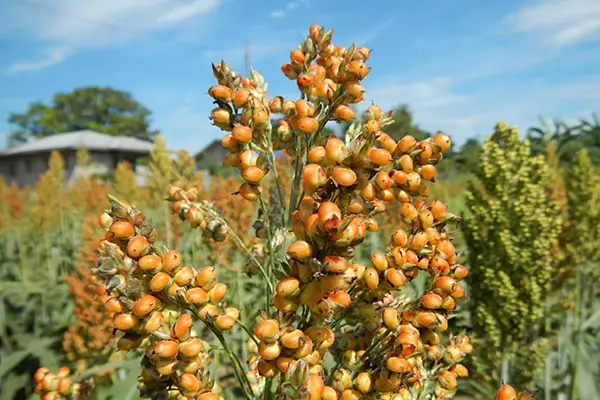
x: 466, y: 158
x: 558, y: 140
x: 101, y: 109
x: 404, y: 125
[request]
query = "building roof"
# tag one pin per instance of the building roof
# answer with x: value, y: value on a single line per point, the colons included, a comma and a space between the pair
x: 86, y: 139
x: 215, y: 144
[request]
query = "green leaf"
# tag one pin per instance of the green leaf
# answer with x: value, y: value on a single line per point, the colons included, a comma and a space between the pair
x: 592, y: 321
x: 34, y: 347
x: 12, y: 385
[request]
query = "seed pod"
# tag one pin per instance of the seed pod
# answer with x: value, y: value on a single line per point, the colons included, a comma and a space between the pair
x: 409, y: 211
x: 242, y: 134
x: 307, y: 124
x: 287, y: 287
x: 444, y: 285
x: 384, y: 182
x: 166, y: 348
x: 267, y: 330
x: 260, y: 118
x: 269, y: 351
x: 207, y: 311
x: 300, y: 250
x: 221, y: 117
x: 293, y: 339
x: 398, y: 365
x: 153, y: 322
x: 184, y: 276
x: 145, y: 305
x: 428, y: 172
x: 305, y: 80
x: 313, y: 177
x: 221, y: 92
x: 426, y: 151
x: 240, y: 97
x: 341, y: 298
x: 390, y: 319
x: 253, y: 174
x: 248, y: 191
x: 460, y: 370
x: 182, y: 327
x: 371, y: 278
x: 380, y: 157
x: 506, y: 392
x: 225, y: 322
x: 206, y: 277
x: 343, y: 176
x: 217, y: 293
x: 285, y: 304
x: 447, y: 380
x: 341, y: 380
x: 113, y: 305
x: 126, y: 322
x: 459, y: 272
x: 418, y: 241
x: 267, y: 369
x: 191, y: 348
x: 149, y: 262
x: 248, y: 158
x: 344, y: 113
x: 335, y: 264
x: 317, y: 154
x: 159, y: 282
x: 190, y: 383
x: 121, y: 230
x: 379, y: 261
x: 395, y: 277
x: 443, y: 141
x: 171, y: 260
x: 431, y: 300
x: 129, y: 341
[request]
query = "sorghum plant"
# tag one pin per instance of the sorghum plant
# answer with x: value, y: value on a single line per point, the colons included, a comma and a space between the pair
x: 89, y: 342
x: 125, y: 181
x: 511, y: 231
x: 49, y: 196
x: 572, y: 371
x: 330, y: 327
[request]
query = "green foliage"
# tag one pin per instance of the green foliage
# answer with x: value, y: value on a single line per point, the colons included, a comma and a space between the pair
x: 82, y: 158
x: 101, y: 109
x: 404, y: 125
x: 161, y: 171
x: 578, y: 371
x: 126, y: 182
x: 510, y: 232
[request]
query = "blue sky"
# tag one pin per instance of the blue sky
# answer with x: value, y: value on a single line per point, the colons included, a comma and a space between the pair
x: 461, y: 65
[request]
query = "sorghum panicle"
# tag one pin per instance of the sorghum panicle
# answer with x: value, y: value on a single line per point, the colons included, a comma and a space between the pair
x: 156, y: 297
x: 393, y: 346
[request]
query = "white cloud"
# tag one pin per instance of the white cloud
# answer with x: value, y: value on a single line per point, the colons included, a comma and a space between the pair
x: 437, y: 104
x: 54, y: 56
x: 278, y: 14
x: 563, y: 22
x: 290, y: 6
x: 235, y: 55
x: 426, y: 94
x: 76, y: 24
x: 378, y: 30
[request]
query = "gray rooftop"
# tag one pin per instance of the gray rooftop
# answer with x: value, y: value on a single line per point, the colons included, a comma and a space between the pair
x: 86, y: 139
